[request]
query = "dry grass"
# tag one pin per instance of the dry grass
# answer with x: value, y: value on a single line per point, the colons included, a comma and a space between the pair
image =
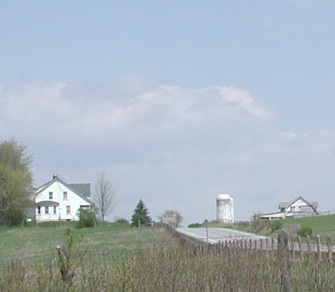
x: 162, y: 263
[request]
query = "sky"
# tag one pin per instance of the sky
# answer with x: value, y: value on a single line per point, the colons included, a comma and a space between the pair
x: 178, y: 101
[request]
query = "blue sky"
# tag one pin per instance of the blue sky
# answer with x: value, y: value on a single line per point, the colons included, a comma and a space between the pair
x: 177, y: 100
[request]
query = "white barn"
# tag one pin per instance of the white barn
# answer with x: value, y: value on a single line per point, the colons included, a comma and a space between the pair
x: 57, y: 200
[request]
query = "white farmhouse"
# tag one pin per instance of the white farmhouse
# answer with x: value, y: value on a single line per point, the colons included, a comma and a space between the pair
x: 57, y: 200
x: 297, y: 208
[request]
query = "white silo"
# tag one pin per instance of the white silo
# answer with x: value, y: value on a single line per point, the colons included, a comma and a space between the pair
x: 225, y: 208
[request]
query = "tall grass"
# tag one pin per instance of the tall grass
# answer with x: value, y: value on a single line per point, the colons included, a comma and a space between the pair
x: 156, y: 261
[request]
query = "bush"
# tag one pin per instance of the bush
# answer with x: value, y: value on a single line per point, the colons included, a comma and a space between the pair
x: 258, y: 224
x: 305, y: 231
x: 121, y: 221
x: 87, y: 218
x: 276, y: 225
x: 194, y: 225
x: 14, y: 217
x: 243, y: 224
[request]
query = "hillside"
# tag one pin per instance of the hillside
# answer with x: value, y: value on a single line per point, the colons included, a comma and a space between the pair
x: 321, y: 225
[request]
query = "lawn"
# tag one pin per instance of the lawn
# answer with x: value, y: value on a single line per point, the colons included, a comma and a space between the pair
x: 321, y: 225
x: 32, y: 239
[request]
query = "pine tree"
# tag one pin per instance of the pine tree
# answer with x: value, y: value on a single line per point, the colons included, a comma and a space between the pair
x: 141, y: 215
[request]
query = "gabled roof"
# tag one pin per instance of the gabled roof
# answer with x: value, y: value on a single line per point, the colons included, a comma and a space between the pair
x: 69, y: 186
x: 285, y: 205
x: 83, y: 188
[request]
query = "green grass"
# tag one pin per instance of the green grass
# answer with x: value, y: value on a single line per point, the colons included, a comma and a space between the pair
x: 321, y: 225
x: 32, y: 239
x: 123, y: 258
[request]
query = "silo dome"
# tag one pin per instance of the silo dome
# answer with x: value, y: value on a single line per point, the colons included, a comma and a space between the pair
x: 223, y: 197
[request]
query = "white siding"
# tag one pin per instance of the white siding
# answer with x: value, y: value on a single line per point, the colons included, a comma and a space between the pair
x: 73, y: 201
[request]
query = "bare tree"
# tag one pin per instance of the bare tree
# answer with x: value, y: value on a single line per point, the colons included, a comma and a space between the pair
x: 171, y: 217
x: 104, y: 195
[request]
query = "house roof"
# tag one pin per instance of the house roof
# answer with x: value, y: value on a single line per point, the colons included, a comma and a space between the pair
x: 83, y: 188
x: 274, y: 215
x: 285, y: 205
x: 81, y: 192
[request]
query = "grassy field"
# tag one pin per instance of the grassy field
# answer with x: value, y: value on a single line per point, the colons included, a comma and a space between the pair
x: 321, y: 225
x: 32, y: 239
x: 116, y: 257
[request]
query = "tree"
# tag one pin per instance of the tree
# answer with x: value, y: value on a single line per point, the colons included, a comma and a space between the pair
x: 15, y: 180
x: 171, y: 217
x: 141, y: 215
x: 104, y: 195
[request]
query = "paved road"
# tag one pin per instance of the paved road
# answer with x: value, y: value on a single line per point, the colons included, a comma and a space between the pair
x: 216, y: 235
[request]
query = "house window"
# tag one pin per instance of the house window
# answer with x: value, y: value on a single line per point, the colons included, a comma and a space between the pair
x: 50, y: 196
x: 46, y: 210
x: 64, y: 195
x: 68, y: 209
x: 39, y: 210
x: 55, y: 210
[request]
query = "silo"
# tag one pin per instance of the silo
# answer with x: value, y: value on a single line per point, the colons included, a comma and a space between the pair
x: 225, y: 208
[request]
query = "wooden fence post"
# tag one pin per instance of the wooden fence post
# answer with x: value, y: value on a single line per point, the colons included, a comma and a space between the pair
x: 330, y: 250
x: 292, y: 248
x: 309, y: 250
x: 318, y: 242
x: 284, y: 264
x: 65, y: 267
x: 300, y: 248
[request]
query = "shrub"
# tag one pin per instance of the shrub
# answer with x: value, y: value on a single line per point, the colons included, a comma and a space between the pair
x: 243, y: 224
x: 87, y: 218
x: 14, y: 217
x: 258, y: 224
x: 275, y: 225
x: 194, y: 225
x: 121, y: 221
x: 305, y: 231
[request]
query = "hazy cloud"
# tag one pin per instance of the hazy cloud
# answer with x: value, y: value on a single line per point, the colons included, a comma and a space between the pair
x: 172, y: 146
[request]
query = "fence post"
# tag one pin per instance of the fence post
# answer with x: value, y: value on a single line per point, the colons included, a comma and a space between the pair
x: 272, y: 243
x: 309, y: 250
x: 293, y: 248
x: 318, y: 242
x: 300, y: 248
x: 65, y: 267
x: 284, y: 264
x: 330, y: 250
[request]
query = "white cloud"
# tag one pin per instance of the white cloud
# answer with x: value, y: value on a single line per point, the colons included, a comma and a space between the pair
x: 49, y: 108
x: 173, y: 147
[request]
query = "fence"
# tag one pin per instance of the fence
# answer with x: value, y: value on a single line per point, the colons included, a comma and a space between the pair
x: 307, y: 254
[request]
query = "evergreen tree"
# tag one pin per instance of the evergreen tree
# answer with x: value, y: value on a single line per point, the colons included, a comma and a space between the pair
x: 141, y: 215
